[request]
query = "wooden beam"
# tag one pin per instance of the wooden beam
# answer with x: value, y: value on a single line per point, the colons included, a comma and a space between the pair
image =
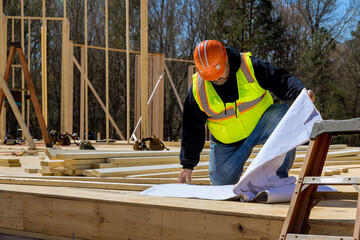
x: 70, y: 110
x: 36, y: 18
x: 107, y: 68
x: 82, y: 95
x: 125, y: 171
x: 174, y: 89
x: 191, y: 71
x: 29, y: 65
x: 86, y: 74
x: 99, y: 99
x: 3, y: 57
x: 22, y: 72
x: 112, y: 179
x: 103, y: 154
x: 44, y: 62
x: 64, y: 8
x: 127, y: 73
x: 65, y: 81
x: 88, y: 214
x: 137, y: 97
x: 76, y: 184
x: 144, y: 67
x: 13, y: 40
x: 15, y: 109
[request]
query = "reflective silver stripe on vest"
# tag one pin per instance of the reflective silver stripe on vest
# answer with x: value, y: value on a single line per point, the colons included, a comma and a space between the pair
x: 241, y: 107
x: 202, y: 95
x: 229, y: 112
x: 245, y: 70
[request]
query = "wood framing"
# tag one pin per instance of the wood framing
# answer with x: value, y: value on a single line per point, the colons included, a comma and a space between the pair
x: 3, y: 57
x: 191, y: 72
x: 155, y: 90
x: 127, y: 73
x: 98, y: 99
x: 66, y: 81
x: 44, y: 62
x: 82, y: 95
x: 144, y: 66
x: 174, y: 88
x: 107, y: 68
x: 87, y: 214
x: 15, y: 109
x: 86, y: 72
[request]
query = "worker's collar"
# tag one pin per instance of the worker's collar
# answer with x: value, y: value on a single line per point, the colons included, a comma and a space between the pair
x: 234, y: 60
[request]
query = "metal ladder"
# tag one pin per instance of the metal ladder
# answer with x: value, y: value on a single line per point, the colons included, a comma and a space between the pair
x: 303, y: 200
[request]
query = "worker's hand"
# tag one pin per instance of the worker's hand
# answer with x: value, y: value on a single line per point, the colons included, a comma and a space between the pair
x: 311, y: 94
x: 185, y: 175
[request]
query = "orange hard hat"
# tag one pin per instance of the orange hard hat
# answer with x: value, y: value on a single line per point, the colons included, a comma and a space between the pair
x: 210, y: 59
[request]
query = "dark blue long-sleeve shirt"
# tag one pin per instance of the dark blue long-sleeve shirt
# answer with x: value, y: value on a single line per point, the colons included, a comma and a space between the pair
x: 277, y: 80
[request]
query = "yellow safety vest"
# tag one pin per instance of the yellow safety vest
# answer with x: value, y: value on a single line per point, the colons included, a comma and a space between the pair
x: 227, y: 125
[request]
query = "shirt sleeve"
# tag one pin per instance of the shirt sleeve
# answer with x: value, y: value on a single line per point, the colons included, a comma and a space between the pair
x: 192, y: 132
x: 284, y: 85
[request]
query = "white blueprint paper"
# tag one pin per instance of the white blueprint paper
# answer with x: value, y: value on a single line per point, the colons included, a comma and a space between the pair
x: 260, y: 177
x: 293, y: 130
x: 191, y: 191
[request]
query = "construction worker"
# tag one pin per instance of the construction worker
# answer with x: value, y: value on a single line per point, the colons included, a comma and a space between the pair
x: 230, y: 93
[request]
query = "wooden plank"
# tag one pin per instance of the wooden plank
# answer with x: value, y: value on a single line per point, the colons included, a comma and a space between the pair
x: 127, y: 72
x: 77, y: 184
x: 124, y: 171
x: 144, y: 66
x: 198, y: 181
x: 85, y: 73
x: 32, y: 235
x: 70, y: 97
x: 59, y: 171
x: 84, y: 161
x: 9, y: 160
x: 140, y: 161
x: 88, y: 214
x: 82, y: 95
x: 32, y: 170
x: 102, y: 165
x: 107, y: 68
x: 113, y: 154
x: 3, y: 51
x: 78, y: 166
x: 10, y: 164
x: 52, y: 163
x: 65, y: 81
x: 22, y: 73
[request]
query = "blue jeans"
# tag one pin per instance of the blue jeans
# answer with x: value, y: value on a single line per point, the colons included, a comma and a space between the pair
x: 227, y: 161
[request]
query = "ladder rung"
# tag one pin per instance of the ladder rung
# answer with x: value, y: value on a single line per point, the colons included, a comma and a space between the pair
x: 331, y: 180
x: 315, y: 237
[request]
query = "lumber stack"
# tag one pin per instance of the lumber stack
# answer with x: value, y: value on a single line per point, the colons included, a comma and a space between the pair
x: 10, y: 162
x: 165, y: 164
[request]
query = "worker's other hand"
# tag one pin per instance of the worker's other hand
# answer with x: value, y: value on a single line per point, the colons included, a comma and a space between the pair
x: 311, y: 94
x: 185, y: 175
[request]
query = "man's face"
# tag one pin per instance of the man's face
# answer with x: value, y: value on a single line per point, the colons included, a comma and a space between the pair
x: 221, y: 80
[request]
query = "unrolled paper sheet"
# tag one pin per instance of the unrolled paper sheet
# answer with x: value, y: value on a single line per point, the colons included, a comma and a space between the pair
x: 260, y: 181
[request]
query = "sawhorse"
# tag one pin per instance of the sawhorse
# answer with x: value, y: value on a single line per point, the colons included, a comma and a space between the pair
x: 16, y: 46
x: 296, y: 223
